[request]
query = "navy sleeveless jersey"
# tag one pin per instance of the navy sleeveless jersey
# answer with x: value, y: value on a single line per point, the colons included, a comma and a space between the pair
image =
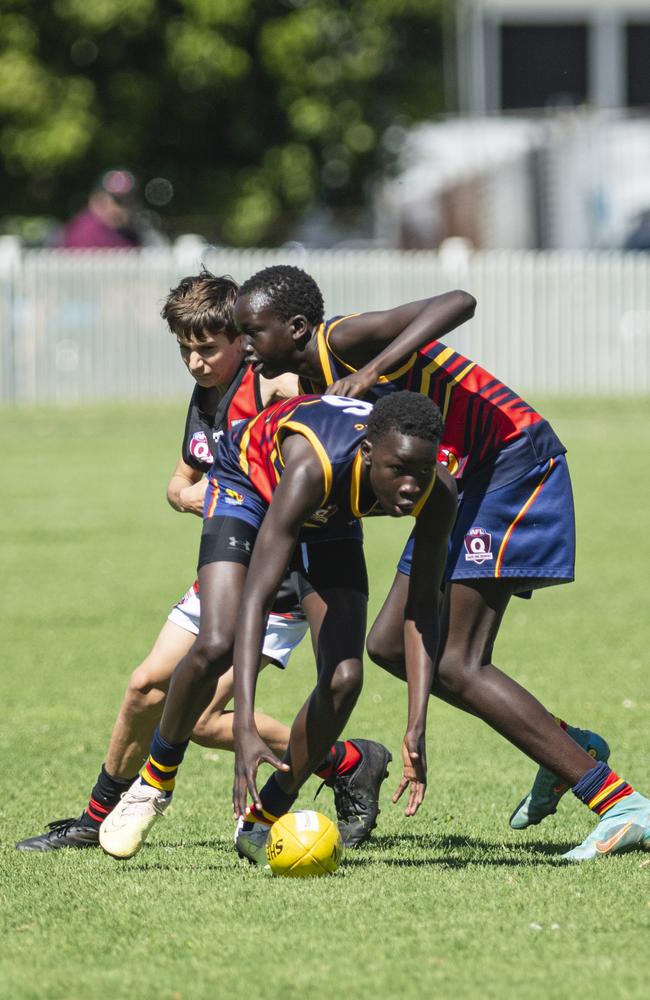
x: 333, y: 425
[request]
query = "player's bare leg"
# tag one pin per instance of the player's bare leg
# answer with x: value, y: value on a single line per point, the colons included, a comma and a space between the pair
x: 214, y: 729
x: 385, y: 641
x: 144, y: 700
x: 337, y: 619
x: 191, y: 690
x: 137, y: 719
x: 475, y: 612
x: 139, y: 714
x: 466, y: 677
x: 194, y: 680
x: 339, y: 643
x: 337, y: 623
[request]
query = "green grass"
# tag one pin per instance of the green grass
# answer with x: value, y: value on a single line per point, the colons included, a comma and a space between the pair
x: 451, y: 903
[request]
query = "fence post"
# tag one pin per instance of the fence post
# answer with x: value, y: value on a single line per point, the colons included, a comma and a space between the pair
x: 10, y: 255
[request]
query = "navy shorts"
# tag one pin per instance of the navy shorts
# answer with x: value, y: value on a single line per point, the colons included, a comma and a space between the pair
x: 232, y: 497
x: 524, y: 530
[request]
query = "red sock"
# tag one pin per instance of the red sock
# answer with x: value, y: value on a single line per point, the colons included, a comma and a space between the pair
x: 342, y: 758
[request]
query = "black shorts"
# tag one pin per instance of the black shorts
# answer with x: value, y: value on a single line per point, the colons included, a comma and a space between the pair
x: 314, y: 565
x: 229, y: 539
x: 332, y: 564
x: 226, y: 539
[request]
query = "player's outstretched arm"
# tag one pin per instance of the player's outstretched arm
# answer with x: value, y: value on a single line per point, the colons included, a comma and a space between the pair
x: 298, y: 495
x: 376, y: 343
x: 186, y: 489
x: 422, y: 630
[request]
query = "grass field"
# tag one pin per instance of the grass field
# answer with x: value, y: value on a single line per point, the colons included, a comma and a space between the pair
x: 451, y: 903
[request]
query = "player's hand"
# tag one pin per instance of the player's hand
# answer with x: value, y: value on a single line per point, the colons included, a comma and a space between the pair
x: 250, y: 752
x: 191, y: 498
x: 414, y: 759
x: 354, y: 385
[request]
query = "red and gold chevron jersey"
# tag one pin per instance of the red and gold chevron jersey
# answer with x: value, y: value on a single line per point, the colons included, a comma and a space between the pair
x: 201, y: 433
x: 491, y: 435
x: 333, y: 425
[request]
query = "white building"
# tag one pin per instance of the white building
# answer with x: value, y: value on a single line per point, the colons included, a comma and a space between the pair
x: 552, y: 145
x: 521, y: 54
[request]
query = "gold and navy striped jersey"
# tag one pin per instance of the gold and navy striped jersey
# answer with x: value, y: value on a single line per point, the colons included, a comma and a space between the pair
x: 490, y: 432
x: 333, y: 425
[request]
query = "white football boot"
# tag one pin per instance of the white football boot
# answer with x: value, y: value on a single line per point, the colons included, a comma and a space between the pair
x: 125, y: 829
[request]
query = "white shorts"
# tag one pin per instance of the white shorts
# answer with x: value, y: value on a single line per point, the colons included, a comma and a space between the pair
x: 283, y: 632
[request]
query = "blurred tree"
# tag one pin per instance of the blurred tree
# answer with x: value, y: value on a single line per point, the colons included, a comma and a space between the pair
x: 245, y: 111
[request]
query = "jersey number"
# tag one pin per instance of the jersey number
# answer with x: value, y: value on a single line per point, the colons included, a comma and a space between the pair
x: 354, y: 406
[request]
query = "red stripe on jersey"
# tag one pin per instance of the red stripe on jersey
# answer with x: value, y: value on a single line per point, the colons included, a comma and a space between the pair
x: 244, y: 403
x: 470, y: 414
x: 258, y: 454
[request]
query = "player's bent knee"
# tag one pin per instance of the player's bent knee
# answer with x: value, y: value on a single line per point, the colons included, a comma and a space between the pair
x: 210, y: 657
x: 203, y: 731
x: 346, y: 681
x: 386, y: 657
x: 456, y: 672
x: 143, y: 692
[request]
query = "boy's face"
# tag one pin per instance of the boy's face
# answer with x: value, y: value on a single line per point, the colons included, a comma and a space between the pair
x: 213, y: 361
x: 400, y: 469
x: 269, y: 342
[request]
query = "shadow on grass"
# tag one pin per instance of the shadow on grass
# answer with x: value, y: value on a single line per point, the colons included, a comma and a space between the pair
x: 162, y: 866
x: 452, y: 851
x: 457, y: 841
x: 440, y: 851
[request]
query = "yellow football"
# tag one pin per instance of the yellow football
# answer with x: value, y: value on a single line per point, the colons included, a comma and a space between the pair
x: 302, y: 844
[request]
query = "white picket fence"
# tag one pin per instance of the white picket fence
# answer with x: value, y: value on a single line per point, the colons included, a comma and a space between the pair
x: 85, y: 326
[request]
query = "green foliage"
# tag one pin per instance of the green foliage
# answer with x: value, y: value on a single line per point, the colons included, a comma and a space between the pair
x: 253, y: 110
x: 451, y: 904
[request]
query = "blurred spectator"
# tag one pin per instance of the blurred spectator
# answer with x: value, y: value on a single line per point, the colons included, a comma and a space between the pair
x: 109, y: 219
x: 639, y: 237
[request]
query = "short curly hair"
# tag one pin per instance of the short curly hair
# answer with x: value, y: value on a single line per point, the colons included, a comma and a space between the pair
x: 407, y: 413
x: 290, y: 292
x: 202, y: 304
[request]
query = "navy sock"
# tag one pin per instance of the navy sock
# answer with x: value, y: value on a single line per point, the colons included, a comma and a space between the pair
x: 163, y: 762
x: 274, y: 800
x: 589, y: 783
x: 601, y: 788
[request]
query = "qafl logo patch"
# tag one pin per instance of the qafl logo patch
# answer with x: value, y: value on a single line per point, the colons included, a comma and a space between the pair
x: 200, y: 449
x: 478, y: 546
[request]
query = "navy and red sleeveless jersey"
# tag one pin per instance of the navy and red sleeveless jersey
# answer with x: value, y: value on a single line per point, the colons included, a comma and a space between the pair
x: 333, y: 425
x: 201, y: 435
x: 491, y: 435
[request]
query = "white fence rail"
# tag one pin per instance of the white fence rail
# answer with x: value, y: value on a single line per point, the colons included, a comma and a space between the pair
x: 85, y: 325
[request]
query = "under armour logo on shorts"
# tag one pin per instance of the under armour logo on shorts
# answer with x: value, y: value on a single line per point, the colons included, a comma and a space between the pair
x: 239, y: 543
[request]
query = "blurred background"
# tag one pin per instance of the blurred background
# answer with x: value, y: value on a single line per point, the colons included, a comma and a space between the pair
x: 392, y: 147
